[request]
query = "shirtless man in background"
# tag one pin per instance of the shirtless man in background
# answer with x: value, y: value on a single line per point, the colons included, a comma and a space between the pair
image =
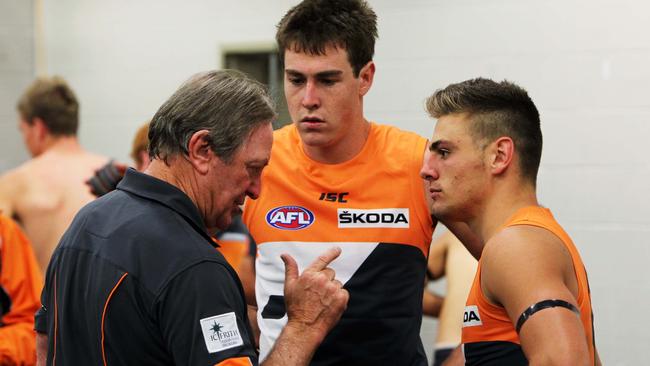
x: 45, y: 193
x: 449, y: 258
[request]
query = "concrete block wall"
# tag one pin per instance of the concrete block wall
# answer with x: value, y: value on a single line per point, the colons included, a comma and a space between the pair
x: 16, y: 71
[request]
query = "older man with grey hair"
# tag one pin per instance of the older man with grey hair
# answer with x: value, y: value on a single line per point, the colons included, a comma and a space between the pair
x: 136, y: 279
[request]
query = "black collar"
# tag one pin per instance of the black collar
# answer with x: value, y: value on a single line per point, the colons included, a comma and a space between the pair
x: 151, y: 188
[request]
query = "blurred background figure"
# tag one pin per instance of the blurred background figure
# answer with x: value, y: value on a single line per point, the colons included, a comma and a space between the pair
x: 140, y: 147
x: 45, y: 193
x: 448, y: 258
x: 20, y: 288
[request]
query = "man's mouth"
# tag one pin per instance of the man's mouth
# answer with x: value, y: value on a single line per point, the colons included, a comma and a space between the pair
x: 312, y: 119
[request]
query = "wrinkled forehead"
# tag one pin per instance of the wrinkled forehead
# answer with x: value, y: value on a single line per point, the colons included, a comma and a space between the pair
x: 257, y: 145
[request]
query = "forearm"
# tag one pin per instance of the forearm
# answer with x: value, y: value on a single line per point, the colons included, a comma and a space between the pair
x: 41, y: 349
x: 252, y: 319
x: 431, y: 304
x: 456, y: 358
x: 295, y: 346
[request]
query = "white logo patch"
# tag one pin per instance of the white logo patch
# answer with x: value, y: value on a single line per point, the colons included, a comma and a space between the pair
x: 471, y: 317
x: 378, y: 217
x: 220, y: 332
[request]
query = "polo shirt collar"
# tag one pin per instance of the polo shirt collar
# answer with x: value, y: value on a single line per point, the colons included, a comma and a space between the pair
x: 168, y: 195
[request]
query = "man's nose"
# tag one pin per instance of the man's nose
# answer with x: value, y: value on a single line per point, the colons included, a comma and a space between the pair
x: 427, y: 171
x: 254, y: 188
x: 310, y: 99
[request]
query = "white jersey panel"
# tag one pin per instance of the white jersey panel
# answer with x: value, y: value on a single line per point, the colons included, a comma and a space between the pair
x: 270, y: 275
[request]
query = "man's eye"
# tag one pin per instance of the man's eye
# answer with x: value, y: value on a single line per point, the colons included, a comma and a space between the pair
x: 443, y: 153
x: 254, y: 171
x: 328, y: 82
x: 296, y: 81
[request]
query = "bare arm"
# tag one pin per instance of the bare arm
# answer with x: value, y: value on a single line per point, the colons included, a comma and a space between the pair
x: 315, y: 302
x: 522, y: 266
x: 432, y: 302
x: 8, y: 190
x: 456, y: 358
x: 252, y: 319
x: 437, y: 256
x: 41, y: 349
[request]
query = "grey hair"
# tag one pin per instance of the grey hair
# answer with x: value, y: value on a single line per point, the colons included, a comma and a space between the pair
x: 227, y: 103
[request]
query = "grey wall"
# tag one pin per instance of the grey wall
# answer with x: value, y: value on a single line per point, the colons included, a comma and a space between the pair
x: 16, y: 71
x: 585, y: 63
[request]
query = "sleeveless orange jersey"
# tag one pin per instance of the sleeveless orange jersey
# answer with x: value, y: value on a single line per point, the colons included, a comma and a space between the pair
x: 372, y: 206
x: 21, y: 282
x: 489, y: 337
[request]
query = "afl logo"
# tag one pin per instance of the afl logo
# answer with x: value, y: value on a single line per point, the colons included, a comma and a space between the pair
x: 290, y: 217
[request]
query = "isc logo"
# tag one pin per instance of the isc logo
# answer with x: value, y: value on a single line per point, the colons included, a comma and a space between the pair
x: 290, y: 217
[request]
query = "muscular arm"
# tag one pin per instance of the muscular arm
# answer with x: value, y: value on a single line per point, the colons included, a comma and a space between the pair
x: 9, y: 184
x: 431, y: 302
x: 522, y: 266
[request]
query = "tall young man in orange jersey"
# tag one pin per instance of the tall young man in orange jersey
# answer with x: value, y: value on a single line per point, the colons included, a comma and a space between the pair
x: 336, y: 178
x: 530, y: 300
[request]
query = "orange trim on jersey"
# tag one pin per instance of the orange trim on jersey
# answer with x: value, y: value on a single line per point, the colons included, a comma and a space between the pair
x: 104, y: 313
x: 394, y: 185
x: 496, y: 325
x: 239, y: 361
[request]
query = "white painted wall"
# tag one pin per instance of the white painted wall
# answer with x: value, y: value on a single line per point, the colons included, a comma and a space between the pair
x: 585, y: 63
x: 16, y: 71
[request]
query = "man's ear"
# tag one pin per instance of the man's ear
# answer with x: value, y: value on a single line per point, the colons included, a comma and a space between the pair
x: 502, y: 152
x: 199, y: 151
x: 366, y: 76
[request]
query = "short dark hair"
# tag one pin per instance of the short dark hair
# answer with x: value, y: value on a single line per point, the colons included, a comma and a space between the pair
x: 495, y: 109
x: 54, y: 102
x: 313, y: 25
x: 227, y: 103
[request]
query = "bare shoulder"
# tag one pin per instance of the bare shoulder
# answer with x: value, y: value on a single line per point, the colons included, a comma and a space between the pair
x: 523, y: 264
x: 96, y: 159
x: 82, y: 161
x: 12, y: 187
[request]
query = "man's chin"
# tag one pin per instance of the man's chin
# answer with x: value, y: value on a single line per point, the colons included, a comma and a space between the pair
x: 219, y: 226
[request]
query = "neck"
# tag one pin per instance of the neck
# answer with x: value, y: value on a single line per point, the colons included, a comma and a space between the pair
x: 504, y: 201
x: 178, y: 173
x: 62, y: 144
x: 343, y: 150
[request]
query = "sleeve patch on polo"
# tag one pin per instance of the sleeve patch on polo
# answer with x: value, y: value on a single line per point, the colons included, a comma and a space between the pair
x: 220, y: 332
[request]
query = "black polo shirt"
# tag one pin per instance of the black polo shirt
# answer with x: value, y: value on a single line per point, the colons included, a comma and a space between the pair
x: 136, y: 280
